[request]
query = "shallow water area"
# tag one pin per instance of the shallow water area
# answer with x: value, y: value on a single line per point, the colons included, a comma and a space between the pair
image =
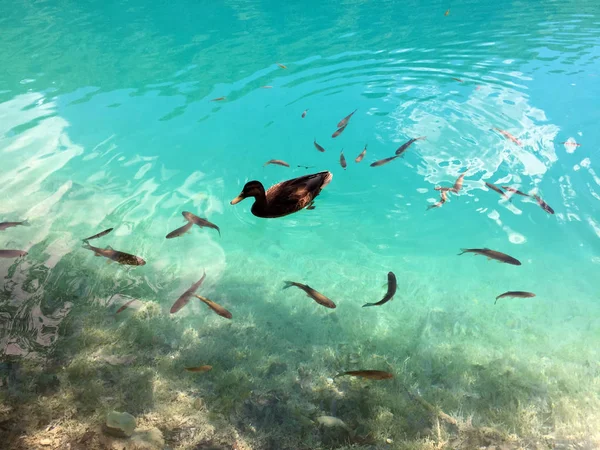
x: 124, y: 116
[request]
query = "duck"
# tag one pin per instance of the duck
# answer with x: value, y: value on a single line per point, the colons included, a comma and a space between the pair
x: 286, y: 197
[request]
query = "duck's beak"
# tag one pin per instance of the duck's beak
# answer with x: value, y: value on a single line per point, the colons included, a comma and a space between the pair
x: 238, y: 199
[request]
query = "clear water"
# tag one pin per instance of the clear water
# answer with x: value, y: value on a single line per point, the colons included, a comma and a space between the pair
x: 106, y: 120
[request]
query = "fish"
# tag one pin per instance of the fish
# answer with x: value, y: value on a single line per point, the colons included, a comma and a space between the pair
x: 99, y: 235
x: 279, y: 162
x: 360, y: 157
x: 282, y: 66
x: 492, y: 254
x: 316, y: 296
x: 447, y: 13
x: 338, y: 132
x: 458, y: 183
x: 5, y: 225
x: 443, y: 198
x: 543, y: 205
x: 124, y: 307
x: 458, y: 79
x: 199, y: 369
x: 368, y: 374
x: 306, y: 167
x: 218, y: 99
x: 381, y: 162
x: 180, y: 231
x: 515, y: 191
x: 12, y: 253
x: 390, y: 292
x: 115, y: 255
x: 342, y: 160
x: 215, y: 307
x: 342, y: 123
x: 266, y: 87
x: 304, y: 113
x: 187, y: 295
x: 193, y: 218
x: 516, y: 294
x: 498, y: 190
x: 509, y: 136
x: 571, y: 143
x: 318, y: 147
x: 407, y: 144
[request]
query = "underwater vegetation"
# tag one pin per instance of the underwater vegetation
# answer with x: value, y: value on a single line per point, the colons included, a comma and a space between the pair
x: 275, y: 379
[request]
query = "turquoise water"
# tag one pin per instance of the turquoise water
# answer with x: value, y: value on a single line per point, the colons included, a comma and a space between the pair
x: 106, y: 120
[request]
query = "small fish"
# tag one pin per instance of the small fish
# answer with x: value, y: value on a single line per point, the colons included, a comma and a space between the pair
x: 342, y: 160
x: 338, y: 131
x: 199, y: 369
x: 192, y: 218
x: 5, y: 225
x: 458, y: 79
x: 124, y: 307
x: 318, y: 147
x: 498, y: 190
x: 443, y: 198
x: 509, y: 136
x: 571, y: 143
x: 368, y: 374
x: 390, y: 292
x: 543, y: 205
x: 215, y: 307
x: 282, y: 66
x: 516, y: 294
x: 279, y: 162
x: 12, y: 253
x: 180, y: 231
x: 515, y: 191
x: 187, y: 295
x: 447, y: 13
x: 407, y: 144
x: 306, y: 167
x: 218, y: 99
x: 115, y: 255
x: 458, y: 183
x: 381, y: 162
x: 266, y: 87
x: 99, y: 235
x: 304, y: 113
x: 342, y: 123
x: 360, y: 157
x: 492, y: 254
x: 316, y: 296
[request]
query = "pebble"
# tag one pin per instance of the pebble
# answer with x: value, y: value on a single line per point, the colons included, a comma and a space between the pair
x: 119, y: 424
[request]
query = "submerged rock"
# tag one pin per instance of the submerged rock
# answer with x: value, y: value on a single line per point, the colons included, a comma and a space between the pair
x: 148, y: 439
x: 120, y: 424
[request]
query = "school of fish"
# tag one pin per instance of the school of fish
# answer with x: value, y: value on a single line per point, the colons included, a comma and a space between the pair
x: 506, y: 192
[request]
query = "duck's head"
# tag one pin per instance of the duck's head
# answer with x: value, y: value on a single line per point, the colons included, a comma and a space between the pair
x: 251, y: 189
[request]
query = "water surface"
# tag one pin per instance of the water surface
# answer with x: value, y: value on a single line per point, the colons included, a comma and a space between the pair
x: 107, y: 121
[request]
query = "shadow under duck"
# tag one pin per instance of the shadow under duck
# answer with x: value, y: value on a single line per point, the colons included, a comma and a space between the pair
x: 286, y: 197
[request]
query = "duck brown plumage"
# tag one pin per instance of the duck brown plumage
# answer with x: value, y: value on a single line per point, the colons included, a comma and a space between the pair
x: 286, y: 197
